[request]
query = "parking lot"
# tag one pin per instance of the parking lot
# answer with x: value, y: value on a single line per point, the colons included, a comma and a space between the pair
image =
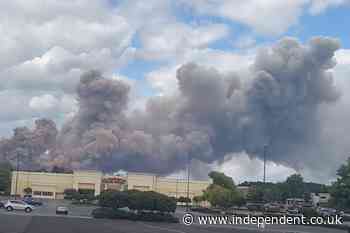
x: 49, y: 208
x: 44, y: 219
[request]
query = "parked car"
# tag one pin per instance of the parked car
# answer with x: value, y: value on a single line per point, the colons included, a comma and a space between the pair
x: 32, y: 202
x: 255, y: 206
x: 62, y: 210
x: 293, y: 212
x: 11, y: 205
x: 27, y: 196
x: 1, y: 204
x: 272, y: 207
x: 327, y: 212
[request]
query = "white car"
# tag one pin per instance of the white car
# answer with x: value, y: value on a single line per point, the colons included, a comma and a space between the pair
x: 11, y: 205
x: 61, y: 210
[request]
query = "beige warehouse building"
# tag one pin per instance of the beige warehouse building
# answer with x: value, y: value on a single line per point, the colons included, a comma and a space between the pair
x: 52, y: 185
x: 168, y: 186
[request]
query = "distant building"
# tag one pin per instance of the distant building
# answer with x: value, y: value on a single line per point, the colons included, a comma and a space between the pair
x: 244, y: 190
x: 320, y: 198
x: 52, y: 185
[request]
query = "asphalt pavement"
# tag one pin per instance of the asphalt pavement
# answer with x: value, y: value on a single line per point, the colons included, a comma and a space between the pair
x: 44, y: 220
x: 49, y: 208
x: 17, y: 222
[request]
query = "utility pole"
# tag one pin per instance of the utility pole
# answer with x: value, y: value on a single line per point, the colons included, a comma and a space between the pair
x: 265, y: 151
x: 17, y: 170
x: 188, y: 183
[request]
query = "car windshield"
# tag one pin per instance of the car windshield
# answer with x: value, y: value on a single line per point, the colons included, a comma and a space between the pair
x: 18, y: 202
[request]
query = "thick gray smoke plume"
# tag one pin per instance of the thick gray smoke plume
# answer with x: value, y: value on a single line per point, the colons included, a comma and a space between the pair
x: 27, y: 144
x: 213, y: 115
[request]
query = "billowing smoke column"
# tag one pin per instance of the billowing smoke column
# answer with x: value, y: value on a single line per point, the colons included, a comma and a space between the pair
x: 213, y: 114
x: 27, y: 144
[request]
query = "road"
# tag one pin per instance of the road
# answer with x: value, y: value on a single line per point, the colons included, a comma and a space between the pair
x: 33, y: 223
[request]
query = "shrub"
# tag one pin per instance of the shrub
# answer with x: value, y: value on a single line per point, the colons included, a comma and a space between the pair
x: 113, y: 199
x: 137, y: 200
x: 309, y: 212
x: 70, y: 194
x: 103, y: 212
x: 110, y: 213
x: 184, y: 199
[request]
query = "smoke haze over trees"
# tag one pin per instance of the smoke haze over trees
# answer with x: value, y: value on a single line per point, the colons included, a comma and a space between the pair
x: 213, y: 114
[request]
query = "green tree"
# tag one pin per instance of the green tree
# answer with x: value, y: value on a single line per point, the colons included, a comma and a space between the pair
x: 222, y: 197
x: 198, y: 199
x: 28, y: 190
x: 295, y: 186
x: 113, y: 199
x: 222, y: 180
x: 341, y: 188
x: 222, y: 192
x: 255, y: 194
x: 5, y: 177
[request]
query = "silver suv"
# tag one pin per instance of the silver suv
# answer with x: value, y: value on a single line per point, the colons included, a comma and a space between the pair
x: 11, y: 205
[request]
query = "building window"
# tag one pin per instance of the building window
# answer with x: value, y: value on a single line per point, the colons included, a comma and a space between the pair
x: 37, y: 193
x: 49, y: 194
x: 43, y: 193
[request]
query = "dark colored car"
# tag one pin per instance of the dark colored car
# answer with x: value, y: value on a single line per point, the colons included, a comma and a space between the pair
x: 1, y: 205
x: 32, y: 202
x: 255, y: 206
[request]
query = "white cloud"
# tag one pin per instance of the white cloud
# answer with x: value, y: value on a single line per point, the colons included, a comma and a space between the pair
x: 175, y: 39
x: 319, y: 6
x: 33, y: 27
x: 263, y: 16
x: 48, y: 102
x: 268, y: 17
x: 44, y: 102
x: 343, y: 57
x: 59, y: 69
x: 243, y: 168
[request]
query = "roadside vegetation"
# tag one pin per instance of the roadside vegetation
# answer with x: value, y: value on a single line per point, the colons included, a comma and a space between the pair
x: 80, y: 197
x: 136, y: 205
x: 5, y: 178
x: 222, y: 192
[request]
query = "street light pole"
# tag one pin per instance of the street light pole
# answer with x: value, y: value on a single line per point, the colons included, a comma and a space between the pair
x: 265, y: 151
x: 17, y: 170
x: 188, y: 182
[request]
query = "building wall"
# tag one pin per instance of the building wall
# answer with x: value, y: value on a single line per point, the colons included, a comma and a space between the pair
x: 141, y: 181
x: 87, y: 180
x: 41, y: 182
x: 168, y: 186
x: 178, y: 187
x: 52, y: 185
